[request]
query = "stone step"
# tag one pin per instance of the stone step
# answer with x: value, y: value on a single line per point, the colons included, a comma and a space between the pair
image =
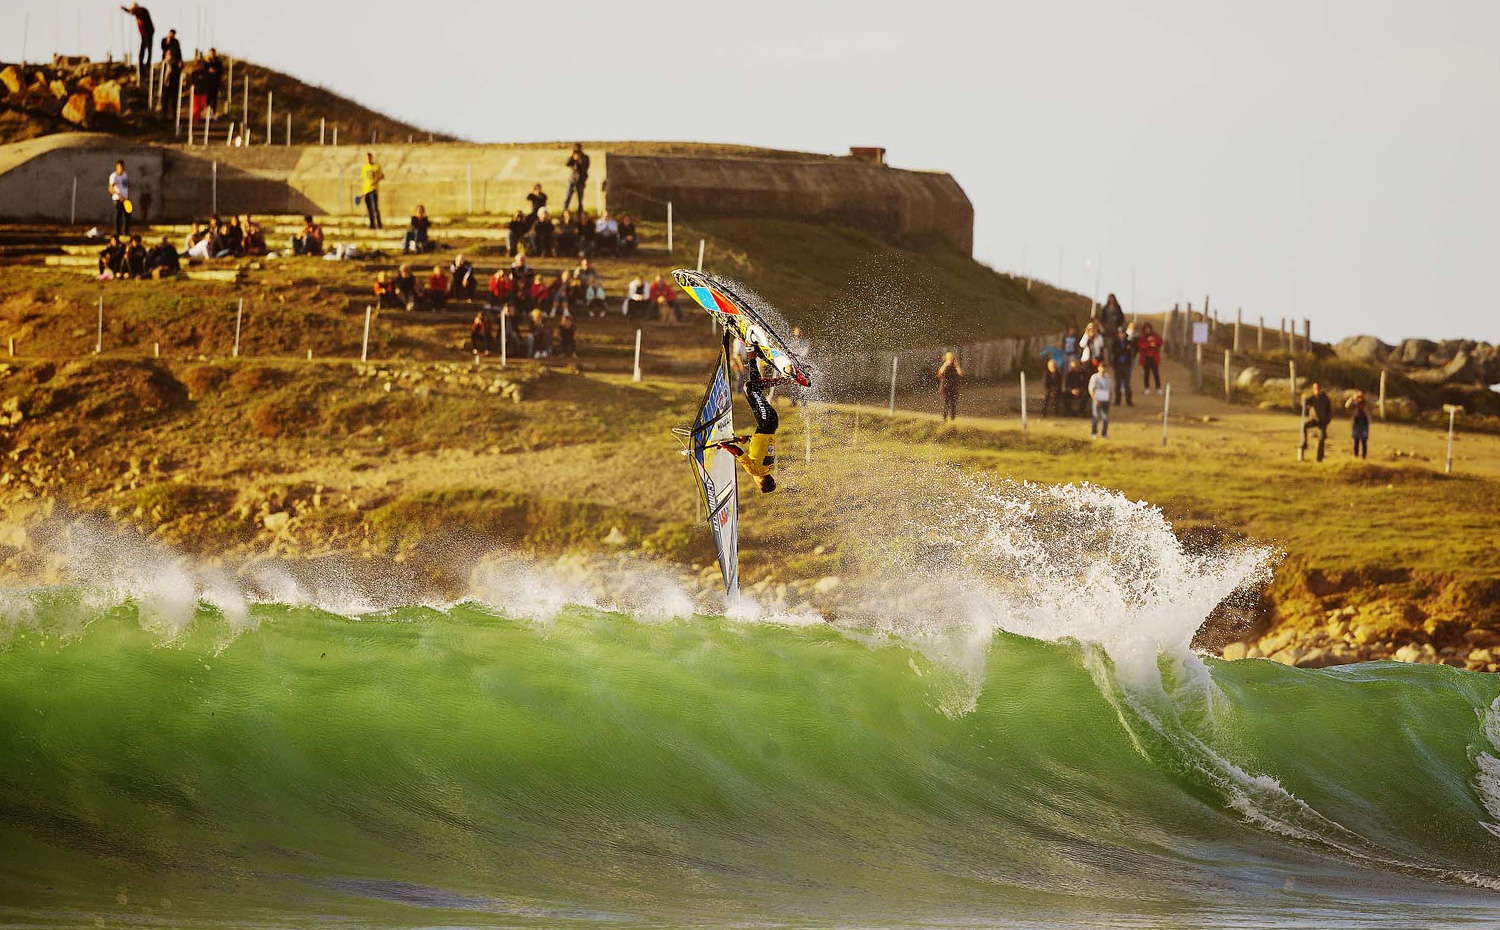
x: 221, y: 275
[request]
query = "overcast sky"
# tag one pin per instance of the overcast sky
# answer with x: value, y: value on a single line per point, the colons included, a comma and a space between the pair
x: 1336, y: 161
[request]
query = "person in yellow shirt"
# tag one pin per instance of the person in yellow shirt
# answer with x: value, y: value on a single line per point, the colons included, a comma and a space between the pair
x: 757, y: 452
x: 370, y: 177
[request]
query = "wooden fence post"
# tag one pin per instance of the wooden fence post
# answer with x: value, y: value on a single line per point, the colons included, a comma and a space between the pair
x: 894, y: 360
x: 1260, y: 337
x: 1292, y: 377
x: 238, y: 315
x: 1228, y: 393
x: 1023, y: 401
x: 1166, y: 406
x: 637, y: 375
x: 1198, y: 366
x: 669, y: 227
x: 364, y: 349
x: 702, y: 244
x: 1382, y: 393
x: 1239, y: 322
x: 99, y: 332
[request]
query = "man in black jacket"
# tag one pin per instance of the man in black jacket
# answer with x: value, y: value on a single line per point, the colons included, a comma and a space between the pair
x: 1317, y: 411
x: 578, y: 175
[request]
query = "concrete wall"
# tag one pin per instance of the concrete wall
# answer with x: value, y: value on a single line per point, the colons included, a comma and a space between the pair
x: 36, y: 183
x: 982, y: 361
x: 885, y: 200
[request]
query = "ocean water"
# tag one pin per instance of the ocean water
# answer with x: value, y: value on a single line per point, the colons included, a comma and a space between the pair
x: 1009, y: 731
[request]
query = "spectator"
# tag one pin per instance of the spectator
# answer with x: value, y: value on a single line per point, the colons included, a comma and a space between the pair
x: 567, y: 333
x: 196, y: 244
x: 161, y: 261
x: 310, y: 240
x: 112, y: 258
x: 567, y: 235
x: 593, y: 287
x: 1070, y: 345
x: 119, y: 195
x: 1113, y: 318
x: 416, y: 235
x: 628, y: 240
x: 385, y: 293
x: 578, y: 175
x: 583, y: 229
x: 135, y: 258
x: 255, y: 237
x: 510, y: 327
x: 1123, y: 359
x: 480, y: 336
x: 408, y: 291
x: 437, y: 289
x: 501, y: 289
x: 1148, y: 350
x: 1052, y: 387
x: 635, y: 304
x: 147, y: 29
x: 562, y: 293
x: 540, y: 293
x: 1075, y: 388
x: 171, y: 80
x: 234, y: 237
x: 664, y: 298
x: 464, y: 281
x: 1317, y: 411
x: 1101, y: 391
x: 213, y: 80
x: 370, y: 177
x: 1091, y: 346
x: 521, y: 276
x: 197, y: 81
x: 219, y: 244
x: 537, y: 198
x: 948, y: 375
x: 539, y: 343
x: 517, y: 228
x: 1055, y: 354
x: 1359, y: 424
x: 543, y: 235
x: 607, y: 234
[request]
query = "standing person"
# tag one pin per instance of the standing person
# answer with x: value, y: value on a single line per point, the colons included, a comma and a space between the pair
x: 147, y: 30
x: 1113, y: 316
x: 1148, y: 350
x: 1052, y: 386
x: 119, y: 194
x: 1317, y: 411
x: 1075, y: 386
x: 1124, y: 359
x: 1091, y: 346
x: 370, y: 177
x: 1101, y: 389
x: 578, y: 175
x: 537, y: 198
x: 171, y: 82
x: 1359, y: 424
x: 948, y: 375
x: 213, y: 80
x: 1070, y: 346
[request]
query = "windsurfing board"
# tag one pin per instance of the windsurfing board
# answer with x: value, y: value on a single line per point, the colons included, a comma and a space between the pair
x: 735, y: 313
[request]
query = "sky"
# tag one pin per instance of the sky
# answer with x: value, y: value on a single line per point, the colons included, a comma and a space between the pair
x: 1334, y: 161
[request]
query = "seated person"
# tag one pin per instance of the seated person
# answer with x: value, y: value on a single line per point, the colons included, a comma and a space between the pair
x: 510, y: 329
x: 464, y: 281
x: 161, y: 261
x: 1076, y: 388
x: 199, y: 243
x: 517, y: 229
x: 218, y: 244
x: 558, y: 293
x: 567, y: 333
x: 255, y: 238
x: 539, y: 343
x: 538, y: 199
x: 112, y: 258
x: 310, y: 240
x: 635, y: 303
x: 234, y: 237
x: 567, y: 235
x: 500, y: 288
x: 607, y: 234
x: 408, y: 291
x: 541, y: 293
x: 520, y: 281
x: 437, y: 289
x: 662, y: 293
x: 583, y: 228
x: 628, y: 240
x: 135, y: 258
x: 385, y: 292
x: 543, y: 235
x: 481, y: 337
x: 593, y: 287
x: 416, y: 236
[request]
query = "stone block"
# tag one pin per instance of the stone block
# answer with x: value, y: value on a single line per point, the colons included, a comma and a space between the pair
x: 10, y: 78
x: 107, y: 97
x: 79, y: 110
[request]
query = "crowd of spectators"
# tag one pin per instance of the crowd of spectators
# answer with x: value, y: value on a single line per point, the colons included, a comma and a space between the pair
x: 1092, y: 369
x: 572, y: 235
x: 125, y: 257
x: 234, y: 237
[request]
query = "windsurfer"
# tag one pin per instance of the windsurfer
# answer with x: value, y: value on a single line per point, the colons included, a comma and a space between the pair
x: 757, y: 452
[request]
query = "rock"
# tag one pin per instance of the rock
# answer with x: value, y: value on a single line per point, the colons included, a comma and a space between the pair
x: 1482, y: 656
x: 11, y: 78
x: 86, y: 83
x: 107, y: 97
x: 1401, y: 408
x: 1235, y: 651
x: 828, y: 584
x: 1415, y: 352
x: 1251, y: 377
x: 616, y: 537
x: 1291, y: 655
x: 275, y: 522
x: 1366, y: 349
x: 1408, y: 653
x: 59, y: 90
x: 1272, y: 643
x: 79, y: 110
x: 1284, y: 385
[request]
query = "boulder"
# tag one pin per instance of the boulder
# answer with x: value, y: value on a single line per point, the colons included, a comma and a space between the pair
x: 59, y: 90
x: 79, y: 110
x: 1251, y: 377
x: 1459, y: 370
x: 107, y: 97
x: 10, y: 79
x: 276, y: 522
x: 616, y: 537
x: 1235, y: 651
x: 86, y: 83
x: 1414, y: 352
x: 1366, y: 349
x: 1401, y: 408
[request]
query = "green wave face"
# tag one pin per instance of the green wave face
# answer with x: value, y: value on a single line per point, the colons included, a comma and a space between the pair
x: 456, y: 767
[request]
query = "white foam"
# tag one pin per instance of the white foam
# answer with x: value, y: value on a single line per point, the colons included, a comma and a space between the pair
x: 1487, y: 779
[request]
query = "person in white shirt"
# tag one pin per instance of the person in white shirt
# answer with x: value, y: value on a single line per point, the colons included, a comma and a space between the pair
x: 1102, y: 390
x: 635, y: 298
x: 1091, y: 345
x: 607, y: 232
x: 119, y: 193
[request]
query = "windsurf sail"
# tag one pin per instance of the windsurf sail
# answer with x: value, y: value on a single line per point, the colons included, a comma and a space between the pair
x: 735, y: 313
x: 715, y: 469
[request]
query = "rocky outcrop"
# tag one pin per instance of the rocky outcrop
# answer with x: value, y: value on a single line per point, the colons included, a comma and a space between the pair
x: 107, y: 97
x: 1452, y: 361
x: 1365, y: 349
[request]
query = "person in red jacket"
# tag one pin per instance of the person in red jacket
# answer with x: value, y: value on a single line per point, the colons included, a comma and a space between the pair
x: 501, y: 288
x: 437, y: 288
x: 1148, y: 352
